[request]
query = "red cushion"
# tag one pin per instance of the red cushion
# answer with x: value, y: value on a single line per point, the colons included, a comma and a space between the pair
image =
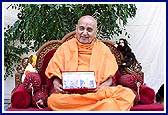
x: 32, y: 82
x: 44, y: 78
x: 130, y: 81
x: 45, y: 62
x: 148, y: 107
x: 147, y: 95
x: 137, y: 98
x: 20, y: 98
x: 115, y: 78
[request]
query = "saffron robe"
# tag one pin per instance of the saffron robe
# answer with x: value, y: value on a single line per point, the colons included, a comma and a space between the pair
x: 97, y: 57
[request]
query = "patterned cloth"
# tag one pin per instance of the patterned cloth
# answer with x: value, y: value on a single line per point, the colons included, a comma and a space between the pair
x: 39, y: 99
x: 32, y: 82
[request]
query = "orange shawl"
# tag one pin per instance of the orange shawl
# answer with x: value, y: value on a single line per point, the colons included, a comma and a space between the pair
x: 102, y: 61
x: 69, y: 57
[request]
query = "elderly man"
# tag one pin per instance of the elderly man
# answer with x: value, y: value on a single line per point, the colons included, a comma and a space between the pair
x: 86, y: 53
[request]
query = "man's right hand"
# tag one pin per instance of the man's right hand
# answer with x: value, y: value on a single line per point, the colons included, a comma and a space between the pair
x: 58, y: 86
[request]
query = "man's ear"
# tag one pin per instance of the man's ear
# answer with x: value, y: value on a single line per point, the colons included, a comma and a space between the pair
x: 96, y: 32
x: 76, y: 28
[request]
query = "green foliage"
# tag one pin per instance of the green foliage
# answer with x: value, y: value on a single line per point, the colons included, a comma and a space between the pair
x: 39, y: 23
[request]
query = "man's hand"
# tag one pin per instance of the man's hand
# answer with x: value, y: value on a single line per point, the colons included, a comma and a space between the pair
x: 58, y: 86
x: 108, y: 82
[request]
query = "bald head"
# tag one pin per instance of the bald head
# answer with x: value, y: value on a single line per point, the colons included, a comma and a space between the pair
x: 86, y: 29
x: 88, y: 19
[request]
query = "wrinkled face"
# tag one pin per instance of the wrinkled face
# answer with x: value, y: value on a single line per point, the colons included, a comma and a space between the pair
x: 86, y: 29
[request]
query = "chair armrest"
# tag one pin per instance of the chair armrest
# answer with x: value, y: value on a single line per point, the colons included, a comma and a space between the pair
x: 20, y: 70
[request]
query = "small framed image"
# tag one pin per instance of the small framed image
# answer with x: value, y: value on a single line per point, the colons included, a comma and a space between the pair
x: 78, y: 80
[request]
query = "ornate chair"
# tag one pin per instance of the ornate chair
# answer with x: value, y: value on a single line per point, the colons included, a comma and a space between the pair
x: 45, y: 53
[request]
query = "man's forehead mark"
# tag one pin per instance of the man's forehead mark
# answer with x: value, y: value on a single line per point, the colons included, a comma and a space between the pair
x: 86, y: 24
